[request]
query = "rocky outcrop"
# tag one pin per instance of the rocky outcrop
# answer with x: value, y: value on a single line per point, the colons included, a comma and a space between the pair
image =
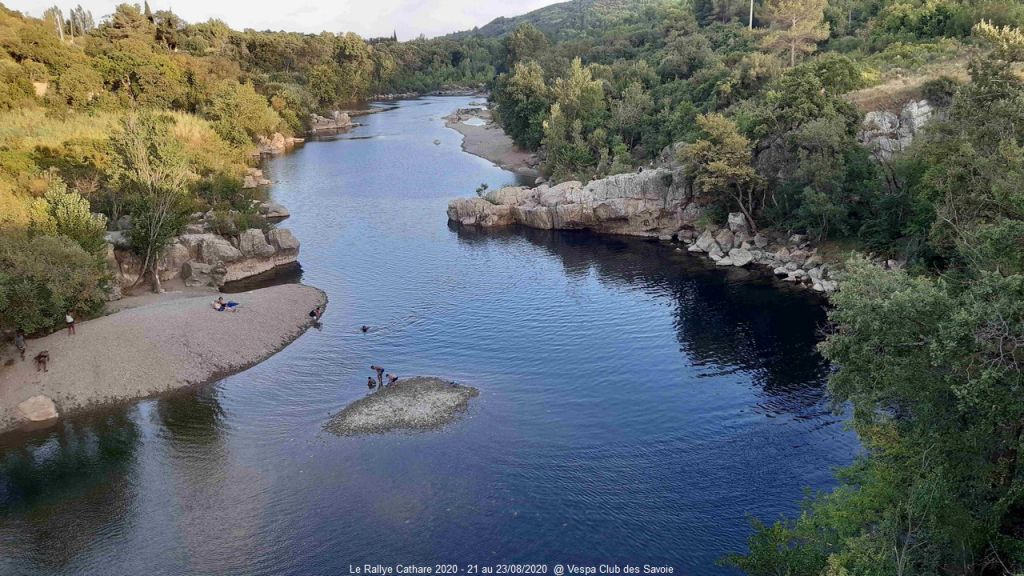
x: 792, y: 259
x: 273, y: 211
x: 337, y: 121
x: 887, y: 133
x: 656, y: 202
x: 253, y: 178
x: 277, y: 144
x: 208, y: 259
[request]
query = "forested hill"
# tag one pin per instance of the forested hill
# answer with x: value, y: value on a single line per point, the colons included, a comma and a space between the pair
x: 564, y: 19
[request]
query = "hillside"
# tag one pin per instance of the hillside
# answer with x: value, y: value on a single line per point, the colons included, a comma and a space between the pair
x: 558, y: 19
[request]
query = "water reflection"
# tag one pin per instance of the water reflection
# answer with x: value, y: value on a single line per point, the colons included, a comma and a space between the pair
x: 72, y: 482
x: 726, y: 321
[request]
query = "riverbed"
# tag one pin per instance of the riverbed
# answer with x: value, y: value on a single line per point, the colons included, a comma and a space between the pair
x: 635, y: 406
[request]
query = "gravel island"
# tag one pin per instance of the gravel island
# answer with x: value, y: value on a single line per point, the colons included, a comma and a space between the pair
x: 418, y: 403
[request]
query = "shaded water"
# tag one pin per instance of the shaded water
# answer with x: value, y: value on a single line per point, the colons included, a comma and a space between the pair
x: 635, y: 406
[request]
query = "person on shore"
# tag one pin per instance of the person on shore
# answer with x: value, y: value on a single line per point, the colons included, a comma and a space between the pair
x: 42, y: 359
x: 19, y: 343
x: 380, y: 373
x: 370, y: 383
x: 316, y: 313
x: 392, y: 379
x: 70, y: 321
x: 220, y: 305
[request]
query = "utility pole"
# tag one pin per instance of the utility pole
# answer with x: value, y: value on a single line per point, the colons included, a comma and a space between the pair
x: 751, y: 14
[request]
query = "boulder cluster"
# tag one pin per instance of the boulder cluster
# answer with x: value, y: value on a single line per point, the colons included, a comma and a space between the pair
x: 792, y: 258
x: 202, y: 257
x: 336, y: 121
x: 652, y: 202
x: 276, y: 144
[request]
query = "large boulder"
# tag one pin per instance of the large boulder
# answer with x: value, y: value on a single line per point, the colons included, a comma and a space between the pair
x: 273, y: 211
x: 170, y: 263
x: 479, y: 212
x: 38, y: 409
x: 283, y: 240
x: 197, y: 274
x: 216, y: 249
x: 253, y: 244
x: 738, y: 223
x: 740, y: 257
x: 725, y: 239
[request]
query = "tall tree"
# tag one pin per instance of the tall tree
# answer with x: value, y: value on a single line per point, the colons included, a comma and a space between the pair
x: 796, y: 26
x: 720, y: 163
x: 153, y: 170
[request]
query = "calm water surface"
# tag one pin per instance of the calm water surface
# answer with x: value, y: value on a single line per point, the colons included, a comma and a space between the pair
x: 635, y: 406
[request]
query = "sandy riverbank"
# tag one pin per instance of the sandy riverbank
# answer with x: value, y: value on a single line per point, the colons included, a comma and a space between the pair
x: 483, y: 138
x: 157, y: 346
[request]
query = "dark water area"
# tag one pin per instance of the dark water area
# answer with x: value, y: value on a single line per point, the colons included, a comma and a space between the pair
x: 635, y: 406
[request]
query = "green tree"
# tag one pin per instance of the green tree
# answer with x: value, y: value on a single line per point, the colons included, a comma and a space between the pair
x: 524, y: 43
x: 720, y: 165
x: 73, y: 218
x: 239, y: 114
x: 42, y: 278
x: 153, y: 171
x: 523, y: 101
x: 796, y: 26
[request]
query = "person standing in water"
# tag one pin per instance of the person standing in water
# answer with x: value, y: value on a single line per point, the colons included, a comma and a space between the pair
x: 370, y: 383
x: 380, y: 373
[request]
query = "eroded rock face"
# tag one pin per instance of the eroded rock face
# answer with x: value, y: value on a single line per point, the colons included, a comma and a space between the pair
x: 253, y: 244
x: 651, y: 203
x: 887, y: 133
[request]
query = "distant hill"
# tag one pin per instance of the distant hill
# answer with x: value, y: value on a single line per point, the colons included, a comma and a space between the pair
x: 557, y: 19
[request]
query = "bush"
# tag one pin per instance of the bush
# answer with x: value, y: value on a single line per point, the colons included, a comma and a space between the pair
x: 15, y: 87
x: 42, y: 278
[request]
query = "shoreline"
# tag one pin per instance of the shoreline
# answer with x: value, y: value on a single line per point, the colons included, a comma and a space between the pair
x: 489, y: 141
x: 155, y: 347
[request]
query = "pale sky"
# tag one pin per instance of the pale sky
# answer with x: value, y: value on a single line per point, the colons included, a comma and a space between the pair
x: 367, y: 18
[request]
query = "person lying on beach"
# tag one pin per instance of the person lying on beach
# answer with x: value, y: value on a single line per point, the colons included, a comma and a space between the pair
x: 370, y: 383
x: 41, y: 360
x: 19, y: 343
x: 316, y: 313
x: 380, y: 373
x: 392, y: 379
x: 220, y: 305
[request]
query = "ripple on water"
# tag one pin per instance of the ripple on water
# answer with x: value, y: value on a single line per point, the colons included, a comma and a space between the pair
x: 635, y: 405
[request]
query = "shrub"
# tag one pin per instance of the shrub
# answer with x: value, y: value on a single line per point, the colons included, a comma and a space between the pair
x: 43, y: 277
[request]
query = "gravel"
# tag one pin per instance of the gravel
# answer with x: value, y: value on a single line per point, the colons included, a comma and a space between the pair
x: 418, y: 403
x: 159, y: 346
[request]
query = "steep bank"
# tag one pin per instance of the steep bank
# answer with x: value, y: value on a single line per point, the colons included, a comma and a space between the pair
x: 156, y: 347
x: 482, y: 137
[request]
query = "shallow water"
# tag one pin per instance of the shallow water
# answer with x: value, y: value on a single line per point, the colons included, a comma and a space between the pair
x: 635, y: 406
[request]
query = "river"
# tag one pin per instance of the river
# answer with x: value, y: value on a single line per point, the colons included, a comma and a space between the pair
x: 635, y: 406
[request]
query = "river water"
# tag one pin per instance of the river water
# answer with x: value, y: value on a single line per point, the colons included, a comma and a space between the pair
x: 635, y: 407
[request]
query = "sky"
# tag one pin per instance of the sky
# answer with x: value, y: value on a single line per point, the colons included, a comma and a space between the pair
x: 368, y: 18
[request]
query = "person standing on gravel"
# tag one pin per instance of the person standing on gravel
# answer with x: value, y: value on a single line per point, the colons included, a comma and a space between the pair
x: 19, y: 343
x: 70, y: 320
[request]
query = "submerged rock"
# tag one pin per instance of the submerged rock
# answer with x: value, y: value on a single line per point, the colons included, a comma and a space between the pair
x: 418, y: 403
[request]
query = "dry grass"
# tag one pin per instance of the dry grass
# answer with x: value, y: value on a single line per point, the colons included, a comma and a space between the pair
x: 31, y: 127
x: 899, y: 89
